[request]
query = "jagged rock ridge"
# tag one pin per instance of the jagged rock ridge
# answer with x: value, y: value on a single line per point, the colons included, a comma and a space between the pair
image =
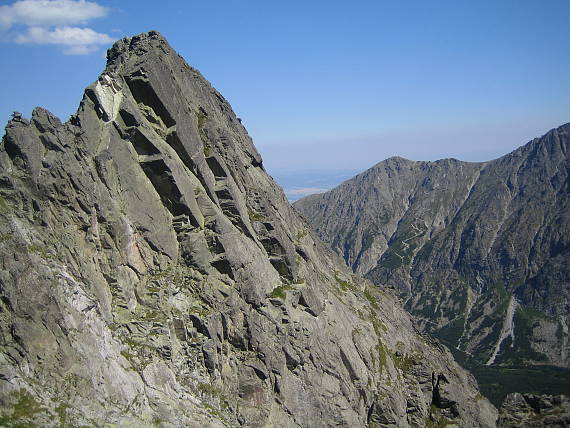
x: 479, y: 251
x: 535, y: 411
x: 152, y: 274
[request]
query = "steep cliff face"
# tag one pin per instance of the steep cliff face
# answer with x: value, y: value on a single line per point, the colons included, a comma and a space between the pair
x: 152, y: 274
x: 480, y: 251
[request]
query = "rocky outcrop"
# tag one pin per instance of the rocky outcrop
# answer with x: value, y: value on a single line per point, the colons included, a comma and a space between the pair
x: 535, y: 411
x: 152, y: 274
x: 479, y: 251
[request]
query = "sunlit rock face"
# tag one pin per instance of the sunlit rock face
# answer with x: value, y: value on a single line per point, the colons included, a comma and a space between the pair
x: 153, y: 274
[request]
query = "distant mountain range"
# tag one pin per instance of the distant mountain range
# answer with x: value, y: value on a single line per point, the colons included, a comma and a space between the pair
x: 479, y: 252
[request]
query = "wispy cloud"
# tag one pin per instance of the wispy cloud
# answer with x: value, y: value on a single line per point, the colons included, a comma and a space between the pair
x: 50, y: 12
x: 76, y: 41
x: 54, y: 22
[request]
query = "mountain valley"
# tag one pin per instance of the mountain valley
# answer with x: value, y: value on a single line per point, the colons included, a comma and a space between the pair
x: 478, y: 252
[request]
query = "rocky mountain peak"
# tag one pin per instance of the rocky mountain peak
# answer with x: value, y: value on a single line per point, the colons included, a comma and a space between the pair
x: 478, y: 251
x: 151, y: 41
x: 152, y: 274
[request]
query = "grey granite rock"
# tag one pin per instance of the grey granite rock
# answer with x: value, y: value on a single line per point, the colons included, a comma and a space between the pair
x: 153, y: 274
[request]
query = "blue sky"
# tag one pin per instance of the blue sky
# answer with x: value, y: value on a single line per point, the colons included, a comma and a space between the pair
x: 325, y: 88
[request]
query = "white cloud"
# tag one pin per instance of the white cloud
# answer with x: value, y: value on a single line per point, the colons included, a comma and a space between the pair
x: 54, y: 22
x: 49, y: 12
x: 75, y: 40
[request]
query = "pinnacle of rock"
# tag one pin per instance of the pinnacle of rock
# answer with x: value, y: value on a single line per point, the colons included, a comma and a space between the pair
x: 153, y: 274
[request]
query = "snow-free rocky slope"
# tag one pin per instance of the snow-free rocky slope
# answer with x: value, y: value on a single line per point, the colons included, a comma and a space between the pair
x: 535, y: 411
x: 479, y: 251
x: 152, y: 274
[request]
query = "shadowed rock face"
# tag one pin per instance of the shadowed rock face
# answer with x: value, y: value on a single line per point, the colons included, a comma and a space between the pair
x: 152, y: 274
x: 479, y: 251
x: 535, y: 411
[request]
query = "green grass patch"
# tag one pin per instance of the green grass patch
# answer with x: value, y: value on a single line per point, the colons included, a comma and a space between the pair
x: 200, y: 311
x: 379, y: 326
x: 208, y: 389
x: 24, y: 409
x: 254, y: 216
x: 382, y: 354
x: 371, y: 297
x: 61, y: 412
x: 4, y: 207
x: 405, y: 362
x: 382, y: 351
x: 280, y: 292
x: 133, y: 360
x: 344, y: 285
x: 40, y: 250
x: 201, y: 118
x: 436, y: 419
x: 207, y: 150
